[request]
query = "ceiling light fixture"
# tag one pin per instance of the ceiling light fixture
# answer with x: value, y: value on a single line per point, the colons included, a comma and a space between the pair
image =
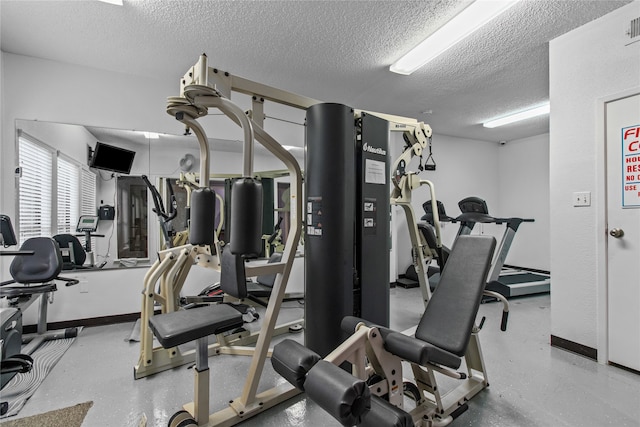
x: 116, y: 2
x: 523, y: 115
x: 462, y: 25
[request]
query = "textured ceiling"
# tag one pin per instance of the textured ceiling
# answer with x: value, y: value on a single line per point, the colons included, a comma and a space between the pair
x: 334, y: 51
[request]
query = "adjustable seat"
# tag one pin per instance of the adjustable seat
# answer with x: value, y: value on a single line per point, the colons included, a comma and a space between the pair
x: 196, y: 324
x: 73, y: 254
x: 441, y: 341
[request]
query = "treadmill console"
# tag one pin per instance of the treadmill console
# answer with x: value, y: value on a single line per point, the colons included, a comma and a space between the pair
x: 87, y: 223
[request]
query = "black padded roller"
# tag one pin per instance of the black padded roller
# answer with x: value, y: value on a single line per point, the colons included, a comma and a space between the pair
x: 292, y: 360
x: 246, y: 217
x: 342, y: 395
x: 202, y: 215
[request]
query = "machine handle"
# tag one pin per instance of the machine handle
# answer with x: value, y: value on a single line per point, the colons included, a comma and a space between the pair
x: 505, y: 318
x: 616, y: 232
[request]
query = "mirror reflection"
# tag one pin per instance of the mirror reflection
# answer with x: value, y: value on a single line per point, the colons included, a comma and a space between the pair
x: 93, y: 189
x: 82, y: 185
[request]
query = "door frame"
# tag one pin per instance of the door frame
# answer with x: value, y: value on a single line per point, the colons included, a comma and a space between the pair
x: 602, y: 251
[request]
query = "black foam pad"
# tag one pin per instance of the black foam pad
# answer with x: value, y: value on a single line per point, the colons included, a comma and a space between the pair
x: 202, y: 214
x: 246, y: 217
x: 383, y: 413
x: 449, y: 317
x: 343, y: 396
x: 233, y: 280
x: 293, y: 360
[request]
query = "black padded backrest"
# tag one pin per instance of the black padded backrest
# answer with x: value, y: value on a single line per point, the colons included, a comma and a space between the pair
x: 473, y: 205
x: 450, y: 314
x: 428, y: 210
x: 269, y: 279
x: 428, y: 234
x: 68, y: 240
x: 8, y: 235
x: 41, y: 267
x: 233, y: 280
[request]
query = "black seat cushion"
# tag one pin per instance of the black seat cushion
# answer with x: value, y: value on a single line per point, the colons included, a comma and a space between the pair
x: 182, y: 326
x: 43, y: 266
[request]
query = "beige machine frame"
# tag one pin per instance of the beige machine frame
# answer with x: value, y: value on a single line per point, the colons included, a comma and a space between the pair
x: 201, y: 89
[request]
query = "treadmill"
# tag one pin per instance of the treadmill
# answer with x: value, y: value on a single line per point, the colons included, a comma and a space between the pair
x: 506, y: 281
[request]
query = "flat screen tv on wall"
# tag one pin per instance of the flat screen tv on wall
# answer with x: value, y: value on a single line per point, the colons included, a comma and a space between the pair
x: 111, y: 158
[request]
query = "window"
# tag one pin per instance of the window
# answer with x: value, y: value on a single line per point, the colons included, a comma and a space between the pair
x: 53, y: 191
x: 35, y: 190
x: 68, y: 193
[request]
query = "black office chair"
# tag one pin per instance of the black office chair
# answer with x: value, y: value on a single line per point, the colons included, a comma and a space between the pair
x: 73, y: 254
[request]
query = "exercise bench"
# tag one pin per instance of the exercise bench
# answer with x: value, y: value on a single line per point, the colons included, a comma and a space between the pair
x: 373, y: 395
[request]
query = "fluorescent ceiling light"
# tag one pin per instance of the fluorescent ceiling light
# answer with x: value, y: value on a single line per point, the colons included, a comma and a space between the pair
x: 462, y: 25
x: 116, y: 2
x: 527, y: 114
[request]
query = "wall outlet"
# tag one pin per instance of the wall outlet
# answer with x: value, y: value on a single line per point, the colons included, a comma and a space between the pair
x: 582, y: 198
x: 83, y: 284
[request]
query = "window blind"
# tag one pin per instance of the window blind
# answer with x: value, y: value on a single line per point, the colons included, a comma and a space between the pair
x: 35, y: 190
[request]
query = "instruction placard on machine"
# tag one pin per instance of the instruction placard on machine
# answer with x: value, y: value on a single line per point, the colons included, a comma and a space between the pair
x: 369, y: 211
x: 375, y: 172
x: 314, y: 216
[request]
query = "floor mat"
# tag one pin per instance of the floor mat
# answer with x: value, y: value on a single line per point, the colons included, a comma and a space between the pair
x: 73, y: 416
x: 21, y: 387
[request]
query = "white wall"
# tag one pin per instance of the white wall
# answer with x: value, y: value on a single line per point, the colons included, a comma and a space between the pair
x: 37, y: 89
x: 524, y: 192
x: 71, y: 94
x: 586, y: 64
x: 464, y: 168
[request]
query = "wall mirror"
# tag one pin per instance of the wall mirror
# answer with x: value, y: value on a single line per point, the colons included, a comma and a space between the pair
x: 58, y: 191
x: 57, y: 186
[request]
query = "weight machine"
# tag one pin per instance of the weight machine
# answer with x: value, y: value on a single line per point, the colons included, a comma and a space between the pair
x: 203, y: 88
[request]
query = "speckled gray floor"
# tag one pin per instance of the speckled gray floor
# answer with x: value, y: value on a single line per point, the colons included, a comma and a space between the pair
x: 532, y: 384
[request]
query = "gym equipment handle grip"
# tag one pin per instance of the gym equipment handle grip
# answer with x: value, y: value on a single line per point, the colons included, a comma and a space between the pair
x: 503, y: 324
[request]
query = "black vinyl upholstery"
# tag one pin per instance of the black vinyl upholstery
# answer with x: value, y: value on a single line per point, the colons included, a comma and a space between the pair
x: 444, y: 329
x: 182, y: 326
x: 342, y: 395
x: 79, y: 255
x: 293, y: 361
x: 383, y: 413
x: 269, y: 279
x: 179, y: 327
x: 43, y: 266
x: 233, y: 280
x: 450, y: 314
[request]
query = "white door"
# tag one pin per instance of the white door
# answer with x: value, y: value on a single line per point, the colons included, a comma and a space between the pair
x: 623, y: 221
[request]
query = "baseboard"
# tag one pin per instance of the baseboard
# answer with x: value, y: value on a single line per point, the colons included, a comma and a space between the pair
x: 574, y: 347
x: 92, y: 321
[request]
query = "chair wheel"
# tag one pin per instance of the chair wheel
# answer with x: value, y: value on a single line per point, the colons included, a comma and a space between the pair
x: 182, y: 419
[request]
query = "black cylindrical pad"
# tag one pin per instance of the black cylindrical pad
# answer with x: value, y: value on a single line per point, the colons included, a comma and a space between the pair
x: 246, y: 217
x: 293, y: 360
x: 342, y: 395
x: 202, y: 215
